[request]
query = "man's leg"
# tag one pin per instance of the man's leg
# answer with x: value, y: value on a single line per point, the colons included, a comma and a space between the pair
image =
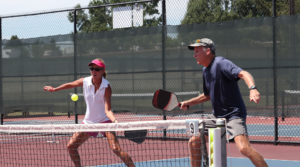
x: 195, y: 150
x: 243, y: 144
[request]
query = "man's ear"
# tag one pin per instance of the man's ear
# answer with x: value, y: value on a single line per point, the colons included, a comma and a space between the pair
x: 208, y: 50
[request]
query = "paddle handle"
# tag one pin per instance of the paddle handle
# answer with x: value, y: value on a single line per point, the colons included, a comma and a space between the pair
x: 179, y: 105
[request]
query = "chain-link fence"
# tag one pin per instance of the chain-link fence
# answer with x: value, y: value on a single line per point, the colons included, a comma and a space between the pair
x: 144, y: 45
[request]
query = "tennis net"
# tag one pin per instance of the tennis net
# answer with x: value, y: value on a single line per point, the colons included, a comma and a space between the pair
x: 46, y: 145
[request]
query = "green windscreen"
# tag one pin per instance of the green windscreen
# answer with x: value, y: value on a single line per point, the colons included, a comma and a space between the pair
x: 138, y: 63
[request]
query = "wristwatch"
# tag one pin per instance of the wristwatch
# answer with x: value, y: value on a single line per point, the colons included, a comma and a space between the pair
x: 252, y: 87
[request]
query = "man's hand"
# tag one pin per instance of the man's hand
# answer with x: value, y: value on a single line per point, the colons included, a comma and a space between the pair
x: 184, y: 105
x: 254, y: 96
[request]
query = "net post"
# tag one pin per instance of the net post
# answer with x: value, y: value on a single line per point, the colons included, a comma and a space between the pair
x: 2, y: 116
x: 76, y: 118
x: 205, y: 160
x: 282, y: 106
x: 267, y: 94
x: 52, y: 137
x: 68, y: 100
x: 221, y: 124
x: 164, y: 118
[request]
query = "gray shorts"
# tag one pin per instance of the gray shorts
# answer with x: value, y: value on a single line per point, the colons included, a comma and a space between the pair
x: 235, y: 127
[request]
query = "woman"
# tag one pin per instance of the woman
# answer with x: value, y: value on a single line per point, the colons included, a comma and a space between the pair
x: 97, y: 94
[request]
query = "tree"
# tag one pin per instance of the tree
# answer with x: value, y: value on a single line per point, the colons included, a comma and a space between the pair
x: 200, y: 11
x: 83, y: 22
x: 100, y: 19
x: 37, y: 49
x: 52, y: 49
x: 17, y: 47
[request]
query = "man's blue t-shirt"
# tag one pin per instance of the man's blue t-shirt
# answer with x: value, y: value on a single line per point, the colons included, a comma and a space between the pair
x: 220, y: 81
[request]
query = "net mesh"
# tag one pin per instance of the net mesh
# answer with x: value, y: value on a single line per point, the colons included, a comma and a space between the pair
x: 166, y: 144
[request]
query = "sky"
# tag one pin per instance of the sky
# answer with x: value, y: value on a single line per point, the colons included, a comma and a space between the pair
x: 36, y: 26
x: 57, y: 23
x: 8, y: 7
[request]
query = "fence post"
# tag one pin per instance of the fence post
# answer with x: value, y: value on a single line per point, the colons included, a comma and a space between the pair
x: 292, y: 44
x: 275, y: 75
x: 163, y: 42
x: 1, y: 93
x: 292, y: 7
x: 163, y: 53
x: 282, y: 105
x: 75, y: 65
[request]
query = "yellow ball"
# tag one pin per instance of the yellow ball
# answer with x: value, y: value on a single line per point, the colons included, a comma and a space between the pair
x: 211, y: 147
x: 74, y: 97
x: 211, y: 158
x: 211, y: 136
x: 212, y: 165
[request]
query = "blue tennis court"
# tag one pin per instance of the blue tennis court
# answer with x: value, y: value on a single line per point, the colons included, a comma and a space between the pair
x: 231, y: 162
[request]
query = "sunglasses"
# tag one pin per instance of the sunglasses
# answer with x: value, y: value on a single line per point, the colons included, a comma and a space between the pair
x: 96, y: 69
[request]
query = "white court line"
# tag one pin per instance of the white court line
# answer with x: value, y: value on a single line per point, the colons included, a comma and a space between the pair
x: 172, y: 159
x: 144, y: 94
x: 265, y: 159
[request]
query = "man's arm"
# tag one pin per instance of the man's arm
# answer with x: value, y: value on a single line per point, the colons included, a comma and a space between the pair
x: 200, y: 99
x: 254, y: 94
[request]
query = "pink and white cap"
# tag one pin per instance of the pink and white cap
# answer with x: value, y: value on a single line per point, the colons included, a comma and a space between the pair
x: 98, y: 63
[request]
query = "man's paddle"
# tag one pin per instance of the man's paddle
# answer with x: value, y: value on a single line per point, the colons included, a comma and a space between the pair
x: 165, y: 100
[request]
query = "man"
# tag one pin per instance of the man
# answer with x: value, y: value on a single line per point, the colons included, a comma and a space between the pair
x: 220, y: 77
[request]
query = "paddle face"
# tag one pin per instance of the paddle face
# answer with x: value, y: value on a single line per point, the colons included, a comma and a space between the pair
x: 137, y: 136
x: 165, y: 100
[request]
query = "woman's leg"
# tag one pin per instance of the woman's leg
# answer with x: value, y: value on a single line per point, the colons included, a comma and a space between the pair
x: 76, y: 140
x: 114, y: 145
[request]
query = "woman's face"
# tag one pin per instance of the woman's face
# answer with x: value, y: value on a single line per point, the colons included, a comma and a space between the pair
x: 96, y: 71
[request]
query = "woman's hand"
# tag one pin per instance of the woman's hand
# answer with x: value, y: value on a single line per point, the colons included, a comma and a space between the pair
x: 49, y: 88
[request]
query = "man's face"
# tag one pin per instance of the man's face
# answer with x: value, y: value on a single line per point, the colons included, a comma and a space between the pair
x: 201, y: 55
